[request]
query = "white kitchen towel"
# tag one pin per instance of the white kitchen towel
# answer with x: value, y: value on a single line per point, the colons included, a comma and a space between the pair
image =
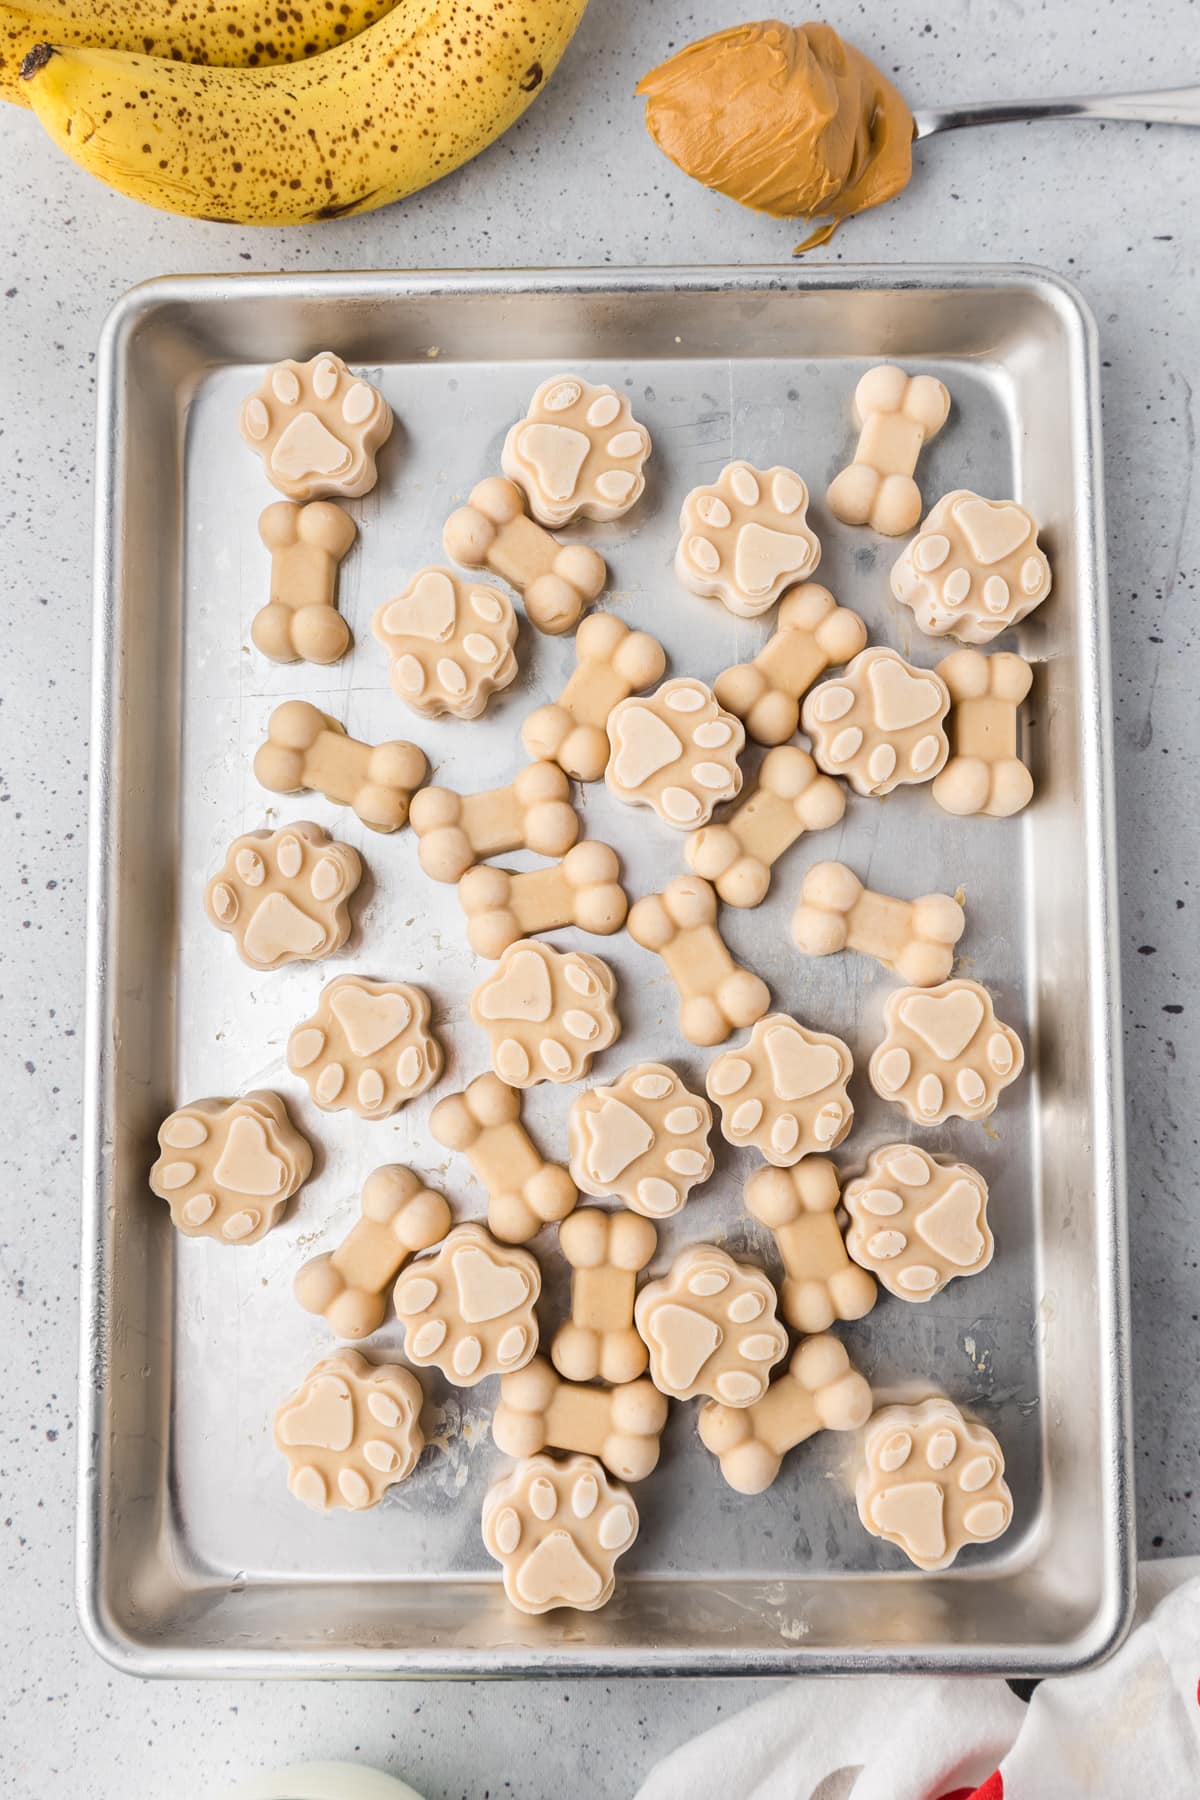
x: 1129, y: 1730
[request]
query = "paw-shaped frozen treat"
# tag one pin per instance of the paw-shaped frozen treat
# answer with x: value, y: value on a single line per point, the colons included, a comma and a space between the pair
x: 710, y: 1328
x: 716, y: 995
x: 974, y: 568
x: 547, y: 1013
x: 525, y: 1191
x: 820, y: 1391
x: 449, y: 643
x: 984, y: 774
x: 933, y: 1481
x: 744, y: 538
x: 493, y: 531
x: 317, y: 427
x: 897, y: 415
x: 619, y: 1425
x: 644, y: 1141
x: 676, y: 752
x: 582, y: 889
x: 784, y: 1090
x: 607, y: 1252
x: 228, y: 1168
x: 880, y: 723
x: 347, y: 1286
x: 577, y: 453
x: 456, y: 831
x: 917, y: 1223
x: 812, y: 634
x: 306, y: 749
x: 368, y: 1048
x: 301, y: 622
x: 350, y: 1432
x: 789, y: 798
x: 468, y: 1309
x: 799, y: 1205
x: 557, y: 1528
x: 283, y: 895
x: 916, y: 938
x: 945, y: 1054
x: 611, y: 662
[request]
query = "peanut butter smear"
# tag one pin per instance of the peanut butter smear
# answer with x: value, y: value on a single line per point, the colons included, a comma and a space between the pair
x: 786, y: 119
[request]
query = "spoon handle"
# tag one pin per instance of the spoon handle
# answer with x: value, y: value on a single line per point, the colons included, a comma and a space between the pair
x: 1162, y: 106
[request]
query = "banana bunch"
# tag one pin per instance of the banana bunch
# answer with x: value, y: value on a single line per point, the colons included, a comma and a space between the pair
x: 416, y: 93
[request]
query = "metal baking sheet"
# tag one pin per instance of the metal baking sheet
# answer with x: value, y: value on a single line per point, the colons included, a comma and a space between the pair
x: 193, y: 1557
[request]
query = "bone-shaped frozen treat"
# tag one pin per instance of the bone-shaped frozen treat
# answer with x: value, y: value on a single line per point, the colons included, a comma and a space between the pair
x: 400, y: 1215
x: 456, y: 831
x: 916, y: 938
x: 790, y: 798
x: 898, y: 414
x: 813, y: 634
x: 582, y: 889
x: 799, y: 1205
x: 307, y: 544
x: 606, y: 1252
x: 493, y: 531
x: 717, y: 995
x: 611, y: 662
x: 306, y: 749
x: 819, y: 1392
x: 984, y: 773
x: 525, y: 1191
x: 620, y: 1425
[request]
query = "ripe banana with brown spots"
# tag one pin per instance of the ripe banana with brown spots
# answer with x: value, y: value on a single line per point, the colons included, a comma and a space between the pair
x: 412, y: 97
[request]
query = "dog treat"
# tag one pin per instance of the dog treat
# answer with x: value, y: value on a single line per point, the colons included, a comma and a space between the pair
x: 577, y: 453
x: 716, y: 995
x: 306, y: 750
x: 710, y: 1328
x: 799, y: 1205
x: 932, y: 1482
x: 611, y: 662
x: 449, y: 643
x: 317, y: 427
x: 984, y: 774
x: 784, y: 1090
x: 368, y: 1048
x: 283, y: 895
x: 348, y: 1285
x: 897, y: 414
x: 307, y: 544
x: 813, y: 634
x: 525, y: 1191
x: 644, y: 1141
x: 879, y: 723
x: 493, y: 531
x: 228, y: 1168
x: 581, y: 889
x: 607, y: 1252
x: 350, y: 1431
x: 557, y: 1527
x: 619, y: 1425
x: 468, y: 1309
x: 820, y: 1391
x: 916, y: 938
x: 945, y: 1054
x: 974, y: 568
x: 456, y: 831
x: 917, y: 1223
x: 744, y: 538
x: 790, y: 798
x: 547, y: 1013
x: 676, y: 752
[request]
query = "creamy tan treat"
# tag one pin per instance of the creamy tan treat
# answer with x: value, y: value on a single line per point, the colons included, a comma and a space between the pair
x: 581, y: 889
x: 744, y: 538
x: 917, y: 1223
x: 368, y: 1048
x: 306, y: 749
x: 932, y: 1482
x: 348, y: 1285
x: 945, y: 1054
x: 578, y: 452
x: 716, y: 995
x: 456, y: 831
x: 916, y: 938
x: 974, y: 568
x: 228, y: 1168
x: 525, y: 1191
x: 449, y: 643
x: 789, y: 798
x: 710, y: 1328
x: 557, y: 1527
x: 619, y: 1425
x: 493, y: 531
x: 611, y: 663
x: 812, y: 634
x: 784, y: 1090
x: 546, y: 1013
x: 897, y: 415
x: 879, y: 723
x: 800, y: 1206
x: 607, y: 1252
x: 820, y: 1391
x: 644, y: 1141
x: 307, y: 544
x: 317, y: 428
x: 985, y: 773
x: 283, y: 895
x: 676, y: 752
x: 468, y: 1309
x: 350, y: 1431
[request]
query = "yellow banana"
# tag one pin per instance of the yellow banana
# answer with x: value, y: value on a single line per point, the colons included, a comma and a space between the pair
x: 419, y: 92
x: 225, y: 33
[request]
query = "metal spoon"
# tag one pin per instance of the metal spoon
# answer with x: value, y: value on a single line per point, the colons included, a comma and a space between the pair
x: 1160, y: 106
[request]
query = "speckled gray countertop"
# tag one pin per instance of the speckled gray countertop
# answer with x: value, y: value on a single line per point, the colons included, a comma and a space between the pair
x: 577, y: 181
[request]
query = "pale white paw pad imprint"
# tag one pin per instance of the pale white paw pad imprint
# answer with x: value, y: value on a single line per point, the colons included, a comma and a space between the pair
x: 880, y: 723
x: 228, y: 1168
x: 368, y: 1048
x: 745, y: 538
x: 675, y: 752
x: 643, y: 1141
x: 710, y: 1328
x: 784, y: 1090
x: 917, y: 1223
x: 557, y: 1529
x: 450, y: 643
x: 317, y: 428
x: 468, y: 1309
x: 350, y: 1431
x: 945, y: 1054
x: 933, y: 1481
x: 974, y: 568
x: 547, y: 1013
x: 578, y: 452
x: 282, y: 895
